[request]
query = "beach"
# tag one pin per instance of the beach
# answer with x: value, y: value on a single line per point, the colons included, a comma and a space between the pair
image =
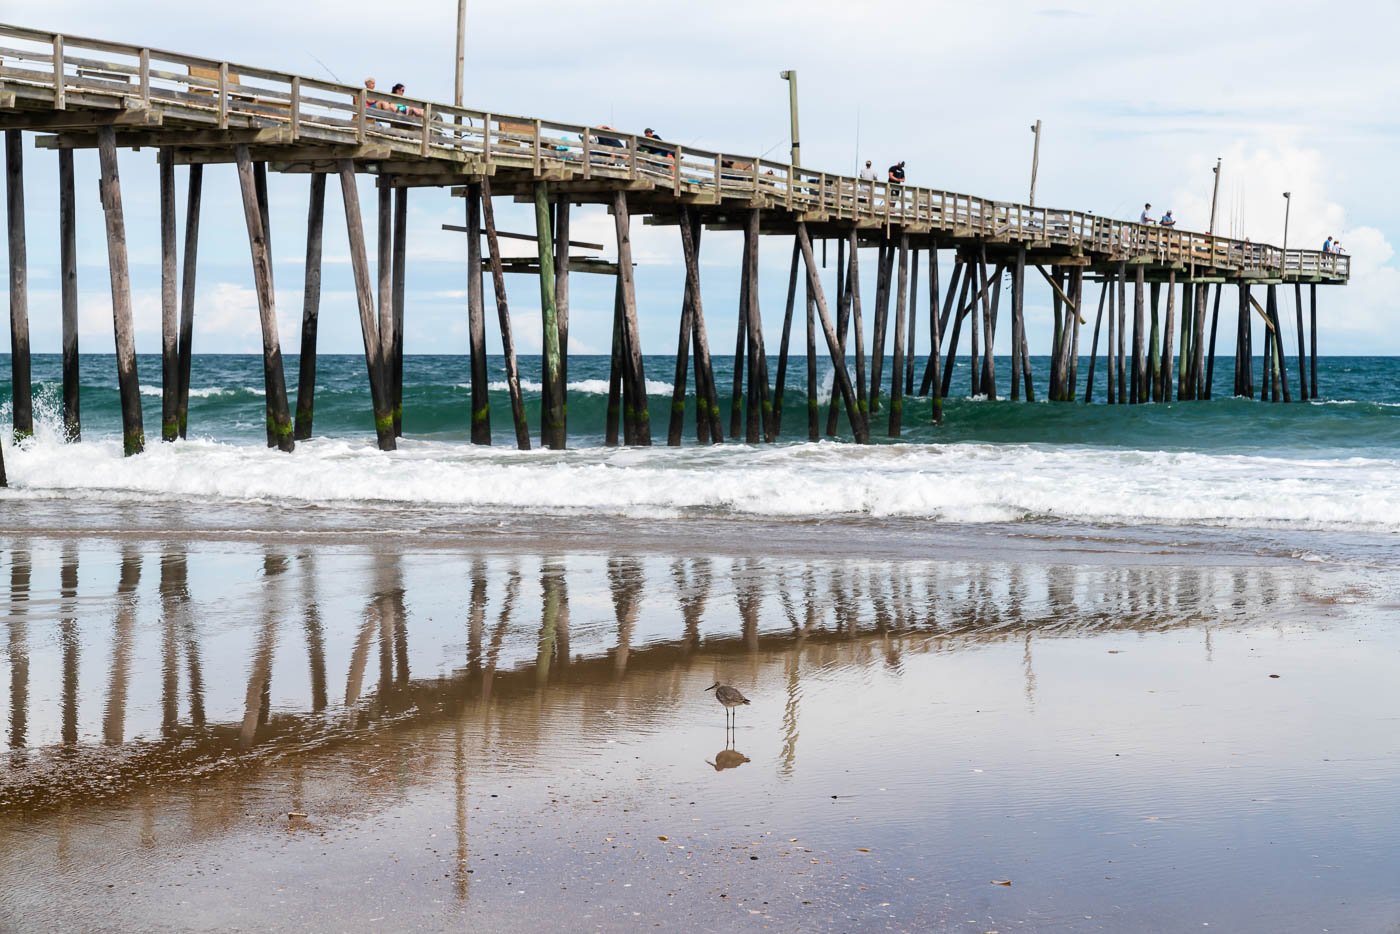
x: 1119, y: 682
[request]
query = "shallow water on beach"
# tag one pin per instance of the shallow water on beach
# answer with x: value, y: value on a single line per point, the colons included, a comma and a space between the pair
x: 330, y: 730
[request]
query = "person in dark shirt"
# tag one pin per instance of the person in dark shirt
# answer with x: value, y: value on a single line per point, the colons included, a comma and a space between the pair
x: 649, y: 133
x: 897, y: 173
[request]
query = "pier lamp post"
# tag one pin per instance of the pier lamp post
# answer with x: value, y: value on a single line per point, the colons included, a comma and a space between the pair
x: 1035, y: 159
x: 1287, y: 206
x: 790, y: 77
x: 461, y: 50
x: 1214, y: 194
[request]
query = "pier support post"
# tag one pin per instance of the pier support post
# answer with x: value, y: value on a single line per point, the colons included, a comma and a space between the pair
x: 68, y: 282
x: 676, y: 429
x: 1018, y: 288
x: 552, y: 400
x: 310, y: 308
x: 741, y: 338
x: 1121, y: 367
x: 614, y: 410
x: 991, y: 299
x: 400, y: 273
x: 959, y: 312
x: 932, y: 377
x: 1094, y: 347
x: 128, y: 383
x: 857, y: 330
x: 883, y: 273
x: 169, y: 311
x: 634, y: 375
x: 1302, y: 351
x: 758, y: 401
x: 1280, y: 362
x: 913, y: 319
x: 369, y: 331
x: 1210, y: 353
x: 21, y: 397
x: 1139, y: 388
x: 1110, y: 356
x: 1241, y: 317
x: 1312, y: 339
x: 384, y: 270
x: 708, y: 425
x: 901, y: 310
x: 193, y: 197
x: 780, y: 383
x: 561, y: 307
x: 476, y: 321
x: 279, y: 422
x: 842, y: 378
x: 1168, y: 332
x: 498, y: 284
x: 1154, y: 362
x: 1070, y: 368
x: 1186, y: 353
x: 843, y: 328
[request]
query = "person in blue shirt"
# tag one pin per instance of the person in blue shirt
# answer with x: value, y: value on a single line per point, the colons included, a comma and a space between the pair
x: 1327, y: 245
x: 1167, y: 220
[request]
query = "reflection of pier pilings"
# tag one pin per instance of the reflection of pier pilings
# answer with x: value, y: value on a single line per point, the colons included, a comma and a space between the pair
x: 68, y: 632
x: 625, y: 580
x: 315, y: 636
x: 19, y: 647
x: 124, y: 634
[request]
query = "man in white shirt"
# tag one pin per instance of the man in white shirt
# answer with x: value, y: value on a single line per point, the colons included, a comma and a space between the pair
x: 1146, y: 217
x: 867, y: 173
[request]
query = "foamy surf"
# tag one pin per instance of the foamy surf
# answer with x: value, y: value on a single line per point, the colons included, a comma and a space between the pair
x: 963, y: 483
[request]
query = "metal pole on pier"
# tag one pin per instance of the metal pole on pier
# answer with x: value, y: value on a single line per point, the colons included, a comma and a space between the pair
x: 1287, y: 208
x: 1214, y: 194
x: 791, y: 78
x: 1035, y: 160
x: 461, y: 50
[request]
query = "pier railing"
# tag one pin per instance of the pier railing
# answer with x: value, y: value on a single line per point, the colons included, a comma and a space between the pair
x: 154, y: 87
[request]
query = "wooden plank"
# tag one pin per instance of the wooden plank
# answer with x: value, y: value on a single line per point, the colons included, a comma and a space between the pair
x: 507, y: 235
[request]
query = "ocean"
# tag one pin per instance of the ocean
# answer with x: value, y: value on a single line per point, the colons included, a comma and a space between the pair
x: 1317, y: 472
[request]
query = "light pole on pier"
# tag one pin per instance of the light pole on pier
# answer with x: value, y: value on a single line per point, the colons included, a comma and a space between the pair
x: 1287, y: 207
x: 461, y: 50
x: 1035, y: 159
x: 1214, y: 194
x: 790, y: 77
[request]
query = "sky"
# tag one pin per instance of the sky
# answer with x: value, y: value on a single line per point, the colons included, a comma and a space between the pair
x: 1137, y: 102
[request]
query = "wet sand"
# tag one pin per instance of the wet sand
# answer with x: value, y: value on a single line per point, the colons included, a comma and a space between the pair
x: 219, y: 733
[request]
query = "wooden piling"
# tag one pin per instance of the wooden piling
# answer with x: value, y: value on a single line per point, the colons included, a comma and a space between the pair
x: 193, y: 198
x: 1057, y: 334
x: 1073, y: 368
x: 1094, y: 347
x: 842, y: 380
x: 974, y: 387
x: 21, y: 392
x: 913, y: 317
x: 1241, y: 318
x: 676, y: 428
x: 1183, y: 366
x: 1109, y: 355
x: 741, y: 338
x: 933, y: 368
x: 753, y: 423
x: 1168, y: 330
x: 959, y: 312
x: 128, y: 383
x: 279, y: 421
x: 780, y: 384
x: 633, y: 371
x: 901, y: 309
x: 1280, y: 360
x: 68, y: 281
x: 1154, y: 364
x: 1139, y: 388
x: 1122, y: 332
x: 857, y: 329
x: 883, y: 274
x: 476, y: 321
x: 384, y: 268
x: 708, y: 413
x: 552, y: 426
x: 1312, y: 340
x: 931, y: 376
x: 169, y: 312
x: 990, y: 299
x: 562, y: 211
x: 614, y: 410
x: 813, y: 406
x: 310, y: 308
x: 1210, y: 354
x: 843, y: 327
x: 1268, y: 389
x: 364, y: 296
x: 1018, y: 289
x: 399, y: 276
x: 1302, y: 352
x: 498, y: 283
x: 1198, y: 342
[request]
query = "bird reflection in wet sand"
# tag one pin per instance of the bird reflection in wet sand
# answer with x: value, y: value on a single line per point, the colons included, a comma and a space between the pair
x: 727, y: 759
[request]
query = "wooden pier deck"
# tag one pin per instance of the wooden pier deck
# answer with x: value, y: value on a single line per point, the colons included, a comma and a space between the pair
x: 73, y: 92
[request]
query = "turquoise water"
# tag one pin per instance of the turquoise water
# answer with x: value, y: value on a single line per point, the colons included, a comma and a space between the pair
x: 1358, y: 412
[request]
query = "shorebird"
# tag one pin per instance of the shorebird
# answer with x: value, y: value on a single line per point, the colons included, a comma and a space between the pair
x: 727, y: 759
x: 729, y: 697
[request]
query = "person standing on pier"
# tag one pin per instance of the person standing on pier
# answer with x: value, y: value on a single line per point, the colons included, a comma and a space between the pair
x: 867, y: 174
x: 1167, y: 220
x: 897, y: 173
x: 1146, y: 217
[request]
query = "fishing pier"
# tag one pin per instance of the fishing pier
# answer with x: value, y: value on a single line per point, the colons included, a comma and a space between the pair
x: 1160, y: 290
